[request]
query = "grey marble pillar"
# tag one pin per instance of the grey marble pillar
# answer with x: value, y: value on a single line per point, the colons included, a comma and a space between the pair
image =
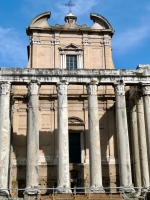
x: 63, y: 180
x: 146, y: 99
x: 32, y: 174
x: 4, y: 138
x: 123, y: 138
x: 142, y: 141
x: 135, y: 146
x: 94, y: 139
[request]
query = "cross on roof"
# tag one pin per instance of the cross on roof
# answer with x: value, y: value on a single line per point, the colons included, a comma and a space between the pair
x: 70, y: 5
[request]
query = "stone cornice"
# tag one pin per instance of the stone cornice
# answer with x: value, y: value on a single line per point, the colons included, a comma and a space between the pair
x: 80, y: 76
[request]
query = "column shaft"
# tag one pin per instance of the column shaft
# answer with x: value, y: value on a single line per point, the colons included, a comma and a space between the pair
x: 142, y: 141
x: 94, y: 139
x: 4, y: 138
x: 135, y: 144
x: 123, y: 138
x: 32, y: 173
x: 146, y: 99
x: 63, y: 148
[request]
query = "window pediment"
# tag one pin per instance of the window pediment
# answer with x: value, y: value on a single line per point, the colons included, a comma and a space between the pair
x: 75, y: 120
x: 70, y: 47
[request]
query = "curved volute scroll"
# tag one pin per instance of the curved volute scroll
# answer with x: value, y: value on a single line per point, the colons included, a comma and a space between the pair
x: 100, y: 22
x: 40, y: 21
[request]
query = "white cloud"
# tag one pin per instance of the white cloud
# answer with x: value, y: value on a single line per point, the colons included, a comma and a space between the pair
x: 12, y: 48
x: 130, y: 39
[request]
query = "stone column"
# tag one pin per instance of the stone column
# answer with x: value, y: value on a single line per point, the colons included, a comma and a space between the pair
x: 4, y: 138
x: 32, y: 174
x: 123, y: 138
x: 146, y: 99
x: 142, y: 141
x: 94, y: 139
x: 135, y: 144
x: 63, y: 180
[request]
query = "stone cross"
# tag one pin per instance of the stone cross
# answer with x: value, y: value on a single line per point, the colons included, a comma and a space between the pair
x: 70, y: 5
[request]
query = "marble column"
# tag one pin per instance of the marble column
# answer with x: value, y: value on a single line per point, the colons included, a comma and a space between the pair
x: 142, y: 140
x: 135, y: 146
x: 123, y: 138
x: 146, y: 99
x: 94, y: 139
x: 32, y: 174
x: 63, y: 180
x: 4, y: 138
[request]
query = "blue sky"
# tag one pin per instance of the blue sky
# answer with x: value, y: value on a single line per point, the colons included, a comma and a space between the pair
x: 129, y: 18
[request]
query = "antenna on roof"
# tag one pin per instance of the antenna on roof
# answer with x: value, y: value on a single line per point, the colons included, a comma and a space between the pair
x: 70, y: 5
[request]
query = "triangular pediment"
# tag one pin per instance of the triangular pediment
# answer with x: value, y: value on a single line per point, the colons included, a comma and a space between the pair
x: 71, y: 46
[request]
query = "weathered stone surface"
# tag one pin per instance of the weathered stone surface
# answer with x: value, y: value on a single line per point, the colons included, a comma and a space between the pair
x: 94, y: 139
x: 142, y: 141
x: 123, y: 139
x: 32, y: 174
x: 135, y: 144
x: 79, y: 76
x: 4, y: 137
x: 146, y: 101
x: 62, y: 134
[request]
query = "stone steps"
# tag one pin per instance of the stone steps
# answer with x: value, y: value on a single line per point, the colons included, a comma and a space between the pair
x: 83, y: 197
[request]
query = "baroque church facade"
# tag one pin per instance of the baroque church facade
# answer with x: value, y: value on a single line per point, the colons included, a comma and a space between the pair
x: 70, y: 119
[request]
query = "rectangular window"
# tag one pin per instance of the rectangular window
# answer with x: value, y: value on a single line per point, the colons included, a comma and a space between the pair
x: 71, y: 62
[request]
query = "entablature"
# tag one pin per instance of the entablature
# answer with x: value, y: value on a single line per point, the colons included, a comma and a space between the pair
x: 79, y: 76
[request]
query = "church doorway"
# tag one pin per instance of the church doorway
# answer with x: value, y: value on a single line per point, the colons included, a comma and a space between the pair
x: 74, y: 148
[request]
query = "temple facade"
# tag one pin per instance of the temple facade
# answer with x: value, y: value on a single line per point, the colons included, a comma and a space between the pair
x: 70, y: 122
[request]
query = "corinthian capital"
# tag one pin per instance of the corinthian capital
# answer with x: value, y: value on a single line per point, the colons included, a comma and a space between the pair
x: 92, y: 88
x: 33, y: 88
x: 120, y: 90
x: 62, y: 88
x: 146, y: 90
x: 4, y: 88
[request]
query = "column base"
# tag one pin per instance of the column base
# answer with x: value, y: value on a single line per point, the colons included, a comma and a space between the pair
x: 4, y: 194
x: 129, y: 193
x: 32, y: 193
x: 63, y: 190
x: 96, y: 190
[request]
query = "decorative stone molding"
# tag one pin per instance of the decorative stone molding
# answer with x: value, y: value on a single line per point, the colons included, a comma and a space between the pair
x: 146, y: 90
x: 75, y: 120
x: 86, y: 42
x: 120, y: 89
x: 81, y: 76
x: 92, y: 88
x: 31, y: 191
x: 36, y: 41
x: 5, y: 88
x: 106, y: 42
x: 33, y: 88
x: 55, y: 41
x: 62, y: 88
